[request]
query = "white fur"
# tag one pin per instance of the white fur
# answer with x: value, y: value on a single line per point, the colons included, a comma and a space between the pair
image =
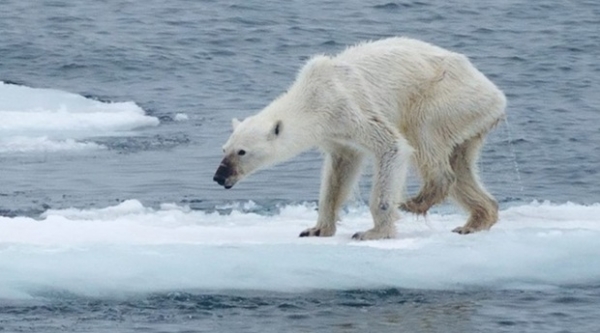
x: 392, y: 99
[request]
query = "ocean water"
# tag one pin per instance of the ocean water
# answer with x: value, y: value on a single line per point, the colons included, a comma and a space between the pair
x: 112, y: 117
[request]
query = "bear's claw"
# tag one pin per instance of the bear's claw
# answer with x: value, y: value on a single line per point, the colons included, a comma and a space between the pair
x: 464, y: 230
x: 357, y: 236
x: 310, y: 232
x: 317, y: 232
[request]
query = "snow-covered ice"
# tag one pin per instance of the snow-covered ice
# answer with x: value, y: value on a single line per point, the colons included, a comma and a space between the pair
x: 132, y: 248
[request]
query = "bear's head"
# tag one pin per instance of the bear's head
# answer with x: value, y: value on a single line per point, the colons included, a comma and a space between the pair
x: 292, y: 123
x: 254, y: 144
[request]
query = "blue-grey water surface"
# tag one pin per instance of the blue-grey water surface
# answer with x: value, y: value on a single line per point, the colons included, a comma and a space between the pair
x: 214, y: 60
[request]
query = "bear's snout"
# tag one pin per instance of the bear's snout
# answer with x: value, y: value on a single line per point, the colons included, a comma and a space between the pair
x: 219, y: 179
x: 224, y: 172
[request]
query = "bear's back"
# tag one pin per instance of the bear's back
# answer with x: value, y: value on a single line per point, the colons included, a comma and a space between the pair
x: 396, y: 49
x: 402, y: 63
x: 411, y: 76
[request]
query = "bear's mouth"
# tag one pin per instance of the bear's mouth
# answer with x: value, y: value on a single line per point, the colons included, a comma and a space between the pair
x: 223, y: 181
x: 226, y: 182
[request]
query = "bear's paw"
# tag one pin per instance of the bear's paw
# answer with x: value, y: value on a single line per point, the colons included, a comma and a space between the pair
x: 373, y: 234
x: 464, y: 230
x: 318, y: 232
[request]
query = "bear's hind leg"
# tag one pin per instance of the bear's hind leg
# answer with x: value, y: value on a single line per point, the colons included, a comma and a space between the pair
x: 340, y: 173
x: 438, y: 178
x: 468, y: 191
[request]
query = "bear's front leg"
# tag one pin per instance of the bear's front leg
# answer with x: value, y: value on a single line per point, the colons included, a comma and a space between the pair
x: 391, y: 167
x: 340, y: 172
x: 384, y: 217
x: 382, y: 208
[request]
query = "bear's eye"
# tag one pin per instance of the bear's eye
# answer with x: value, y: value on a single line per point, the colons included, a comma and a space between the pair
x: 241, y: 152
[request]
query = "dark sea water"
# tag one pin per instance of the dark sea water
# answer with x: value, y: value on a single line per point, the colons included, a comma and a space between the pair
x: 214, y: 60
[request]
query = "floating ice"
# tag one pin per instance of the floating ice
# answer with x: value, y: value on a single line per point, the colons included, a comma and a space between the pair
x: 181, y: 117
x: 28, y: 144
x: 36, y: 119
x: 133, y: 248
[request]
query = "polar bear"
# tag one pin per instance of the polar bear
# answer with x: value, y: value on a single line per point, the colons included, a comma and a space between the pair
x: 398, y: 100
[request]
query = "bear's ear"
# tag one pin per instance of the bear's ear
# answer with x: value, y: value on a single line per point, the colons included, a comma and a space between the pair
x: 234, y: 123
x: 276, y: 130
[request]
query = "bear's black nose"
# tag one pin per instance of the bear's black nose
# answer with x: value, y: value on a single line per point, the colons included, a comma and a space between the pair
x: 219, y: 179
x: 223, y: 173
